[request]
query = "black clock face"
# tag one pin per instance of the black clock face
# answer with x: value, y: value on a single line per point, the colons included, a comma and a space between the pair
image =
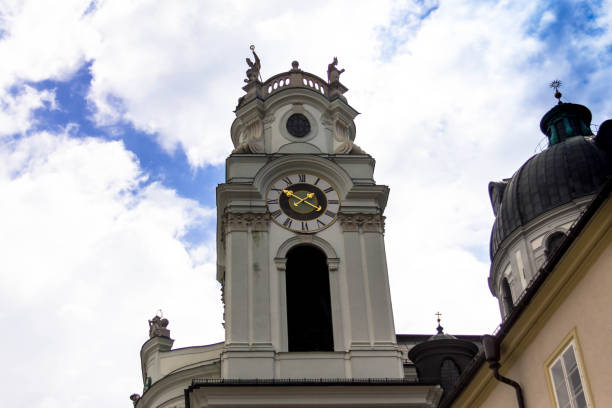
x: 303, y: 202
x: 298, y: 125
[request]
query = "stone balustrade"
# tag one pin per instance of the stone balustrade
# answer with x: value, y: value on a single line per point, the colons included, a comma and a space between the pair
x: 294, y: 78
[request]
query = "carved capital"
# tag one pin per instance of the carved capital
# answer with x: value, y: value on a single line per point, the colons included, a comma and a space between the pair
x: 333, y: 264
x: 362, y: 222
x: 234, y: 222
x: 260, y: 222
x: 281, y: 264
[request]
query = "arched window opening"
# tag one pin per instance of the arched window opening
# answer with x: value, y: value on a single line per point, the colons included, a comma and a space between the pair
x: 449, y: 374
x: 506, y: 297
x: 309, y: 320
x: 553, y: 242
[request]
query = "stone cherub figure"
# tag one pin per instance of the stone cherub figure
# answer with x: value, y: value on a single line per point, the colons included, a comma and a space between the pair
x: 252, y: 74
x: 158, y: 327
x: 333, y: 73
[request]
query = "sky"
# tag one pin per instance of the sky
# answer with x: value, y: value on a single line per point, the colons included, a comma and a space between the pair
x: 114, y: 129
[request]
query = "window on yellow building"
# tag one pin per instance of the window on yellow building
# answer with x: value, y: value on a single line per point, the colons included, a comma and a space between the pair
x: 567, y: 379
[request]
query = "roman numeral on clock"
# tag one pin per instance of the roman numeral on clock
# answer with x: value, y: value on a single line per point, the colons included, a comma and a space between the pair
x: 328, y: 190
x: 287, y: 223
x: 317, y: 181
x: 330, y: 214
x: 304, y: 226
x: 333, y: 201
x: 319, y: 222
x: 302, y: 178
x: 271, y: 201
x: 276, y: 213
x: 287, y: 180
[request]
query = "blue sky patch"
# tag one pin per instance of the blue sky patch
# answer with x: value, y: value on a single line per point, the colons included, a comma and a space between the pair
x: 171, y: 169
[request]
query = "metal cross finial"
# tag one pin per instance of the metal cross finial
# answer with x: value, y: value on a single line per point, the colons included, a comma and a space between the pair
x: 439, y: 328
x: 556, y: 84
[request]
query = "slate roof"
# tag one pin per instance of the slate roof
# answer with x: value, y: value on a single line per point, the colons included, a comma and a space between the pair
x: 565, y: 171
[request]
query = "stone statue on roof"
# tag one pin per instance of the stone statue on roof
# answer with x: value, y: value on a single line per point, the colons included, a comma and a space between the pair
x: 252, y: 74
x: 158, y: 327
x: 333, y: 73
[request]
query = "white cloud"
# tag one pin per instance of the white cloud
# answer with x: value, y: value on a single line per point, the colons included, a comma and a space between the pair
x: 449, y: 103
x: 89, y: 251
x: 17, y: 108
x: 42, y: 39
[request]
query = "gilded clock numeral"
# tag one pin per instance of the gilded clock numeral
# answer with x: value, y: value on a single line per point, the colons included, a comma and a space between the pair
x: 287, y: 180
x: 333, y: 201
x: 304, y: 226
x: 276, y: 213
x: 302, y: 178
x: 330, y: 214
x: 287, y: 223
x: 328, y: 190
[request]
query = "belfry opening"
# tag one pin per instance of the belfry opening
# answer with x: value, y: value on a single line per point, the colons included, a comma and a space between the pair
x: 309, y: 319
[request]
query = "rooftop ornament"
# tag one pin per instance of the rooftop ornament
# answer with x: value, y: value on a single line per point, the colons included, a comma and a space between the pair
x: 256, y: 88
x: 440, y: 329
x: 333, y: 73
x: 556, y: 84
x: 252, y: 74
x: 158, y: 326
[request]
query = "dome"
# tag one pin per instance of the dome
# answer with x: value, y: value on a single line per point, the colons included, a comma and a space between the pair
x: 567, y: 170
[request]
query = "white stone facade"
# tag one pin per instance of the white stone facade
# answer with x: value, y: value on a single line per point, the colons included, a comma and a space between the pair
x: 365, y: 366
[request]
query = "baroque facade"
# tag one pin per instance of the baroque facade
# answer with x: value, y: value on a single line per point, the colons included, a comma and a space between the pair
x: 301, y: 260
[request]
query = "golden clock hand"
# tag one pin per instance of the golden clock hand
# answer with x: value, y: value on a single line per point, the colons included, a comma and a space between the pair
x: 289, y: 193
x: 308, y: 195
x: 316, y: 207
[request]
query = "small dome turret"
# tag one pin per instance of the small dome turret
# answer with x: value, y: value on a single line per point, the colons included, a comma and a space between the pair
x: 545, y: 196
x: 442, y: 358
x: 564, y: 121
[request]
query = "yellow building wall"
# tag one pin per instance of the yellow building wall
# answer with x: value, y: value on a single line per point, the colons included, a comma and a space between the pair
x: 575, y: 302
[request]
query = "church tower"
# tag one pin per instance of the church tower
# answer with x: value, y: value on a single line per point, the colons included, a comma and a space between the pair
x: 300, y: 237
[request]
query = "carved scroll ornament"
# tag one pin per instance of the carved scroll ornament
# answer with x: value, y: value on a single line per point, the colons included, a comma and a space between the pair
x: 251, y: 139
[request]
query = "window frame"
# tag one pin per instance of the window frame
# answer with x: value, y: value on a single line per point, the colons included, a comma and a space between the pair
x: 571, y: 340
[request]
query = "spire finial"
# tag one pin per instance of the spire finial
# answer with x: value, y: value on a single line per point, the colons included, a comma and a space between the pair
x: 556, y: 84
x: 439, y: 328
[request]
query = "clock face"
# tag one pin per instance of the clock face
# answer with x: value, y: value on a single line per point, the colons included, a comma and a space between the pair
x: 303, y: 202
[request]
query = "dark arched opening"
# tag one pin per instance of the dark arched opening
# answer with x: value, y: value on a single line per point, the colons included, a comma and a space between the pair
x: 553, y: 242
x: 506, y: 297
x: 309, y: 320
